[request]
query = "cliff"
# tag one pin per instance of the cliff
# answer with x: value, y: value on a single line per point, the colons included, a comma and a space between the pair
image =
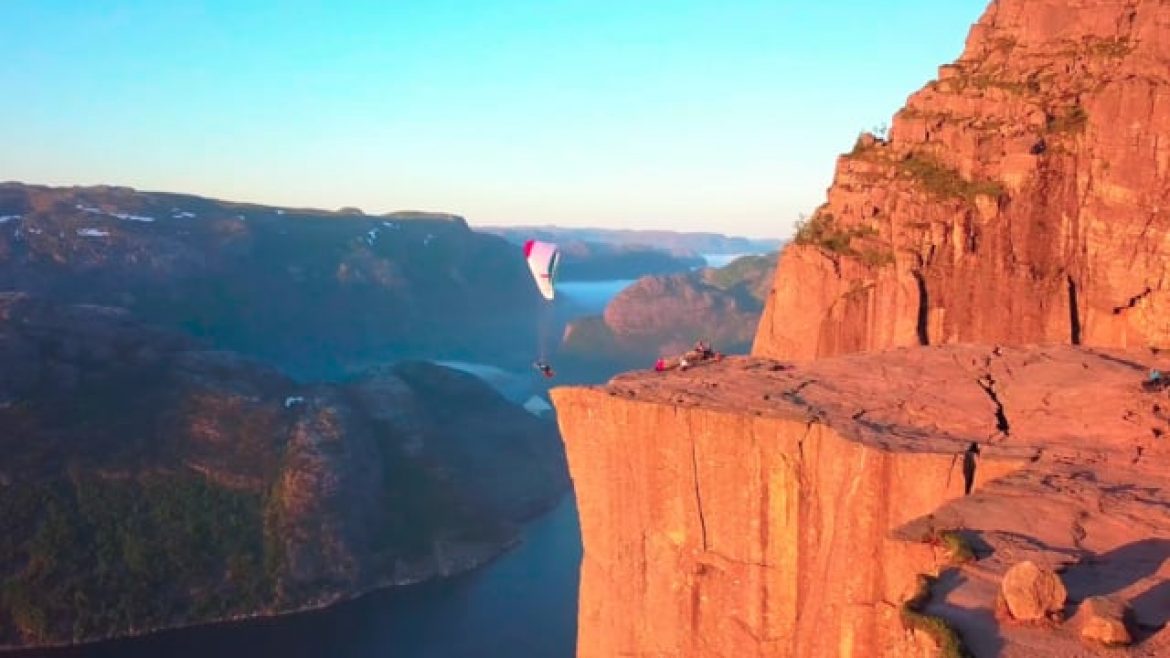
x: 759, y: 508
x: 1019, y: 197
x: 317, y: 293
x: 797, y: 507
x: 149, y: 481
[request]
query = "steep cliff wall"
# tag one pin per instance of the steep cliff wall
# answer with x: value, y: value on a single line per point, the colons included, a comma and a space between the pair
x: 749, y: 508
x: 1022, y: 197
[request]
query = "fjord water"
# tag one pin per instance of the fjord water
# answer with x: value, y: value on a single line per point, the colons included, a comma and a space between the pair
x: 722, y: 260
x: 522, y: 604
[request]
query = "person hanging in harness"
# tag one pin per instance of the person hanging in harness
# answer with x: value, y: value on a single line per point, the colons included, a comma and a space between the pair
x: 543, y: 259
x: 544, y: 368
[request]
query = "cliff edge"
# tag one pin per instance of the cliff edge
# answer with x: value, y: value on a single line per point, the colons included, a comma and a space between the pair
x: 758, y: 508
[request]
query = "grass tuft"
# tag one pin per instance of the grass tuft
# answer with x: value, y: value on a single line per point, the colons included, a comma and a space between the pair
x: 947, y: 639
x: 821, y: 230
x: 943, y: 182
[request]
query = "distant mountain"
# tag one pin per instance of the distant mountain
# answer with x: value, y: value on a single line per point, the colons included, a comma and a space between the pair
x: 664, y: 315
x: 149, y: 482
x: 312, y: 291
x: 675, y: 242
x: 597, y: 261
x: 585, y: 260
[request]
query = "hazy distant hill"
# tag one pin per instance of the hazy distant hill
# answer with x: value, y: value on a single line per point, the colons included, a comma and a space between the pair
x: 587, y: 260
x: 309, y: 290
x: 676, y: 242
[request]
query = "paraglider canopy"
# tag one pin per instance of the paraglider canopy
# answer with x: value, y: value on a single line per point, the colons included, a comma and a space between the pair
x: 543, y: 258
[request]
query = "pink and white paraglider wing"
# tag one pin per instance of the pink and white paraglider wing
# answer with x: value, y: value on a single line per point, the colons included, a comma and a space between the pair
x: 543, y: 259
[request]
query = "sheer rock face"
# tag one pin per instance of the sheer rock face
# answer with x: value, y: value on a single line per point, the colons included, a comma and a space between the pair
x: 1021, y: 197
x: 758, y: 508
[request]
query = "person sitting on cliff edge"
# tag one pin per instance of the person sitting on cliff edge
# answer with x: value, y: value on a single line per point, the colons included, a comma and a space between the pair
x: 703, y: 352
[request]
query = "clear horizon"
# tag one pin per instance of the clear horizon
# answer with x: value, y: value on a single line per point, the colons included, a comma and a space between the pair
x: 687, y: 115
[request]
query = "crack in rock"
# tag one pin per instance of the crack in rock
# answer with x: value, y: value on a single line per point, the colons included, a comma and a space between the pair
x: 1132, y: 301
x: 987, y: 383
x: 793, y: 395
x: 698, y: 495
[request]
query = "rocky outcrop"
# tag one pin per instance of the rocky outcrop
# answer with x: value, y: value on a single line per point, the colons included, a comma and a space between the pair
x: 1032, y: 593
x: 759, y: 508
x: 1102, y: 620
x: 665, y: 315
x: 1021, y: 197
x: 178, y: 485
x: 672, y: 311
x: 317, y: 293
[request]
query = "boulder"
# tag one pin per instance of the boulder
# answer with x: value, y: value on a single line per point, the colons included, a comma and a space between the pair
x: 1102, y: 619
x: 1031, y: 593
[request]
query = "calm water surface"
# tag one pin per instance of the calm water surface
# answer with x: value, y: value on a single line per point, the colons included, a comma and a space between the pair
x: 589, y: 297
x: 523, y: 604
x: 722, y: 260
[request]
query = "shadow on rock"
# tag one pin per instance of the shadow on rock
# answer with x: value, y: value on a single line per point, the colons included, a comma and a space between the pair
x: 1112, y: 572
x: 1150, y: 610
x: 976, y: 625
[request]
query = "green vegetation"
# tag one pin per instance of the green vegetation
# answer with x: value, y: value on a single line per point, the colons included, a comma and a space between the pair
x: 958, y: 548
x: 420, y: 507
x: 1073, y: 120
x: 949, y: 643
x: 943, y: 182
x: 749, y: 271
x: 821, y: 230
x: 106, y: 555
x: 1115, y: 47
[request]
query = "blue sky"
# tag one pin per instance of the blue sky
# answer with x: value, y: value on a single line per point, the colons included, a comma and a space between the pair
x: 685, y: 114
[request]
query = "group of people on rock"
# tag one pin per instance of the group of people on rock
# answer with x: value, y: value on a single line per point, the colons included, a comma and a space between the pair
x: 700, y: 353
